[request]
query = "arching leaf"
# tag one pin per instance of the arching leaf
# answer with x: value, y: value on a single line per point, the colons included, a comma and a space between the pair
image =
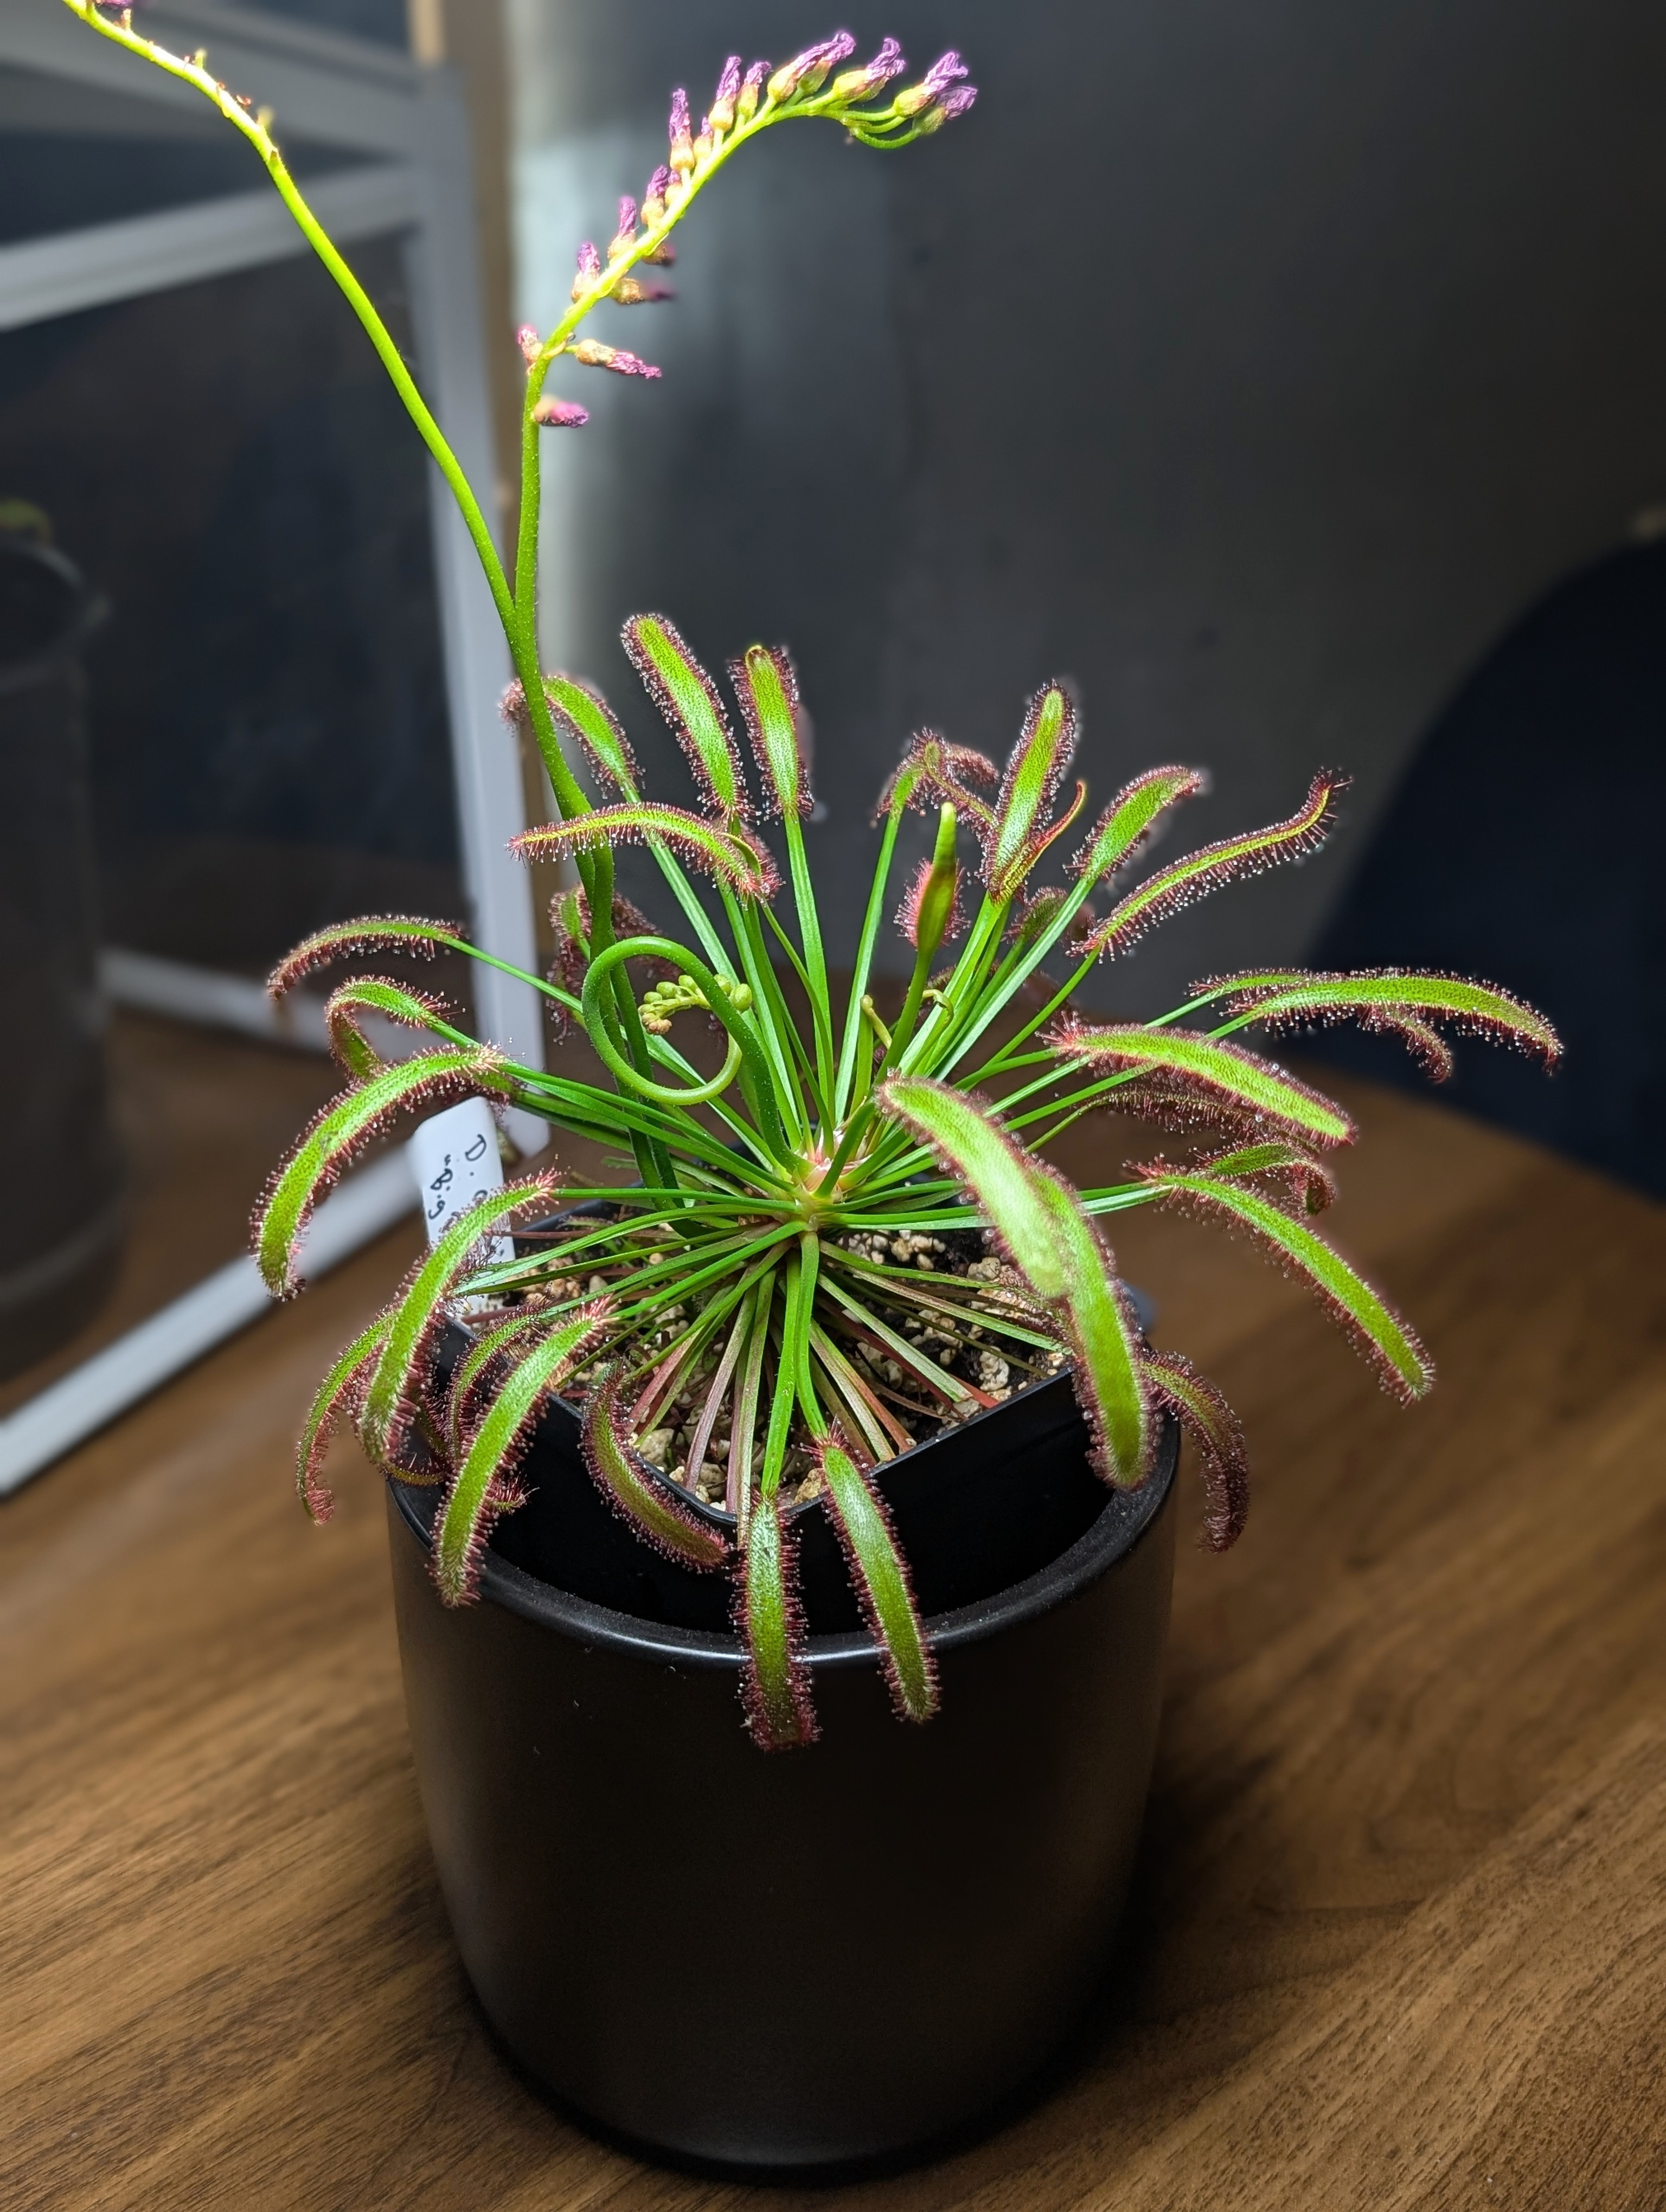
x: 880, y: 1579
x: 1214, y: 1428
x: 394, y: 1394
x: 341, y: 1130
x: 1055, y: 1245
x: 370, y: 932
x: 1231, y: 860
x: 341, y: 1392
x: 484, y: 1488
x: 730, y: 857
x: 631, y: 1488
x: 1401, y: 1361
x: 1181, y: 1059
x: 775, y: 1678
x: 687, y: 699
x: 588, y: 715
x: 1407, y: 1001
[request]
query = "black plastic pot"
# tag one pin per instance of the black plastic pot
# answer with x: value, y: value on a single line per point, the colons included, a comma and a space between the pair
x: 61, y: 1222
x: 821, y: 1955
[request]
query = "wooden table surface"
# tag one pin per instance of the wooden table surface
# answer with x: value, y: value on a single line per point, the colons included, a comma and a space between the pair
x: 1399, y: 1934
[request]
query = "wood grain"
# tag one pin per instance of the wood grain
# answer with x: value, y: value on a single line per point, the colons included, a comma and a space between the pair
x: 1399, y: 1935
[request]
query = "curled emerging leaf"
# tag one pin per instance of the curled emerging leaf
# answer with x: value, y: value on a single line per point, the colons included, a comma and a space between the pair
x: 933, y: 771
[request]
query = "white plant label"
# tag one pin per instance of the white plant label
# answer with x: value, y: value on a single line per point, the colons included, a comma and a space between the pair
x: 454, y: 1158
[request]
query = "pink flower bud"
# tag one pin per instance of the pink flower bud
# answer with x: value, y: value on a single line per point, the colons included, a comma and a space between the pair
x: 752, y: 91
x: 625, y: 236
x: 630, y: 294
x: 654, y: 200
x: 704, y: 145
x: 863, y: 83
x: 933, y: 86
x: 594, y: 355
x: 527, y: 339
x: 723, y: 99
x: 560, y: 414
x: 681, y: 140
x: 951, y: 104
x: 590, y: 268
x: 805, y: 72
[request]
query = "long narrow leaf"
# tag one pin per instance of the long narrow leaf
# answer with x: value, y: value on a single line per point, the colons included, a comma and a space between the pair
x: 340, y: 1132
x: 370, y: 932
x: 1406, y: 1001
x: 687, y: 697
x: 339, y: 1393
x: 767, y: 685
x: 775, y: 1679
x: 1215, y: 1430
x: 484, y: 1486
x: 1404, y: 1366
x: 1231, y: 860
x: 1035, y: 770
x: 881, y: 1582
x: 1054, y: 1244
x: 631, y: 1486
x: 418, y: 1313
x: 729, y: 857
x: 1130, y: 821
x: 1180, y: 1057
x: 375, y: 994
x: 584, y: 712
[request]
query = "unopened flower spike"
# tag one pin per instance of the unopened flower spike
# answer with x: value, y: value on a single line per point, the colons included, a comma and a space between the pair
x: 530, y: 343
x: 560, y: 414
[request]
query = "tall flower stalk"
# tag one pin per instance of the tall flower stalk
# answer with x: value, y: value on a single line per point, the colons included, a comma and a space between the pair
x: 845, y: 1237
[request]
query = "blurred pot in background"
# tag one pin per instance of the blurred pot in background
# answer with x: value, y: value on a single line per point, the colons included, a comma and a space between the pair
x: 60, y: 1202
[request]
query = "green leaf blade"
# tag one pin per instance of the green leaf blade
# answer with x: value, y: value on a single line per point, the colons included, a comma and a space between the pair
x: 881, y: 1582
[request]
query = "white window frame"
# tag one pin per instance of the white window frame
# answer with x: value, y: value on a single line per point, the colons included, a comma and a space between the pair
x: 410, y: 120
